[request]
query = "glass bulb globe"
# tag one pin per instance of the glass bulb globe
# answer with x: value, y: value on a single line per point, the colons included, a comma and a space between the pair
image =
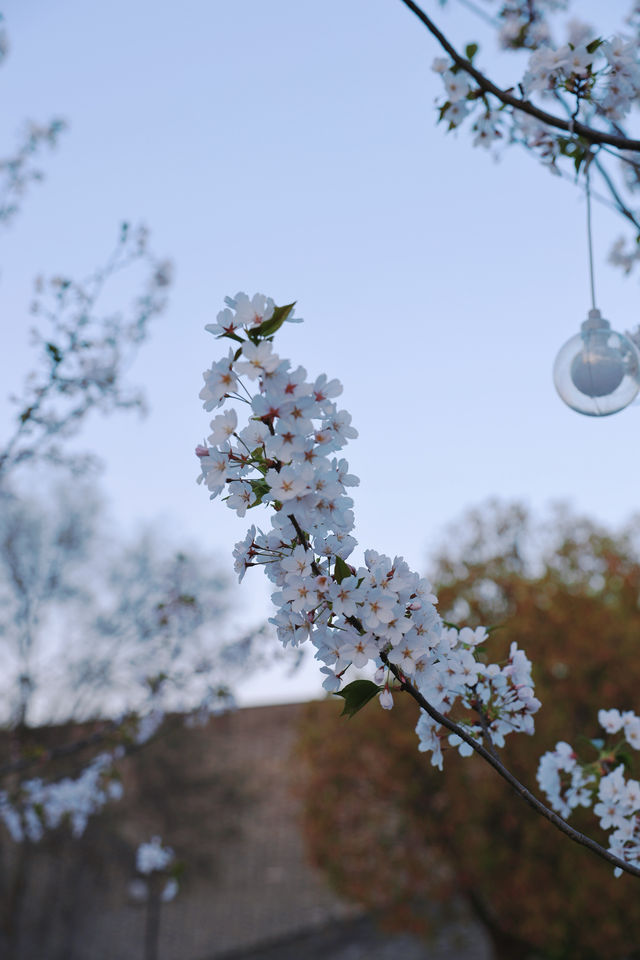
x: 597, y: 372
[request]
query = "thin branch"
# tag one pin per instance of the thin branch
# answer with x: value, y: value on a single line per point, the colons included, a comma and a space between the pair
x: 65, y: 750
x: 302, y: 537
x: 21, y: 169
x: 486, y: 734
x: 525, y: 106
x: 499, y: 767
x: 108, y: 730
x: 480, y: 13
x: 618, y: 203
x: 83, y: 354
x: 303, y: 541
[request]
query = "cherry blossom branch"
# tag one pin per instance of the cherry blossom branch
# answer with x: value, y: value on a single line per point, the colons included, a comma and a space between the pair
x: 502, y: 771
x: 381, y: 611
x: 573, y: 127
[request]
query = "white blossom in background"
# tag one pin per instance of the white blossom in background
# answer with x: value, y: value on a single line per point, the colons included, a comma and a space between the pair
x: 152, y: 856
x: 41, y: 805
x: 170, y: 890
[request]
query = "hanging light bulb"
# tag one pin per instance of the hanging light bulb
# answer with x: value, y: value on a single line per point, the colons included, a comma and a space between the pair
x: 597, y: 372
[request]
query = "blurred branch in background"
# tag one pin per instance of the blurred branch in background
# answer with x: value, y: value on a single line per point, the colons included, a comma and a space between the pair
x: 21, y: 167
x: 82, y: 355
x: 104, y: 634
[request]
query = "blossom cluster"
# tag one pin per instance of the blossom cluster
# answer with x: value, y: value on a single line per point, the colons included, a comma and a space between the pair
x: 504, y: 696
x: 378, y: 612
x: 153, y: 858
x: 43, y: 805
x: 38, y: 805
x: 607, y: 73
x: 602, y: 75
x: 523, y: 23
x: 463, y: 98
x: 569, y: 782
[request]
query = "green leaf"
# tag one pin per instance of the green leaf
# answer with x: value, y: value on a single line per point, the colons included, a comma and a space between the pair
x: 470, y: 51
x: 579, y: 158
x: 578, y: 151
x: 625, y: 758
x: 260, y: 489
x: 268, y: 327
x: 593, y: 46
x: 156, y: 682
x: 443, y: 109
x: 357, y: 695
x: 55, y: 353
x: 341, y: 570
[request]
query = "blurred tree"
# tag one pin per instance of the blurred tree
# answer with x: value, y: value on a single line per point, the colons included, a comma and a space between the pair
x: 90, y: 627
x: 84, y: 346
x: 397, y: 836
x: 93, y: 626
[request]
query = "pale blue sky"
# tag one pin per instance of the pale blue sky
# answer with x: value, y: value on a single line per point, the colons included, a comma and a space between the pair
x: 291, y: 148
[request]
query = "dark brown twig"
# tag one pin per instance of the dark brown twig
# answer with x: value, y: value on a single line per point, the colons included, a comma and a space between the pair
x: 302, y: 537
x: 302, y: 540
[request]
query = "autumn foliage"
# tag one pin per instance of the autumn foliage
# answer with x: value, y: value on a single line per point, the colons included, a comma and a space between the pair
x: 416, y: 845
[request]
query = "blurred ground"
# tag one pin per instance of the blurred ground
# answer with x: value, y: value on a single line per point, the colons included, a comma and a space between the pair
x: 360, y: 939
